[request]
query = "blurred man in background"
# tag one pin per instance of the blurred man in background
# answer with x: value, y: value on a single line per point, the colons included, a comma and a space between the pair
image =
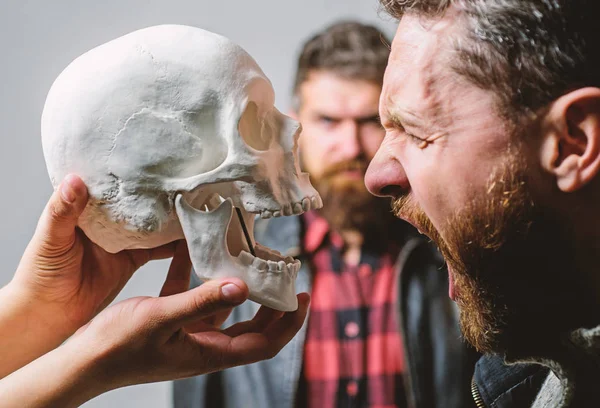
x: 381, y: 331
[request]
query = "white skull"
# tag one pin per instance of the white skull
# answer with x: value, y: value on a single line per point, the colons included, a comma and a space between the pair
x: 173, y: 129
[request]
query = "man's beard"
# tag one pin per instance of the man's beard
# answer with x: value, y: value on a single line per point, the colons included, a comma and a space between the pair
x: 513, y: 266
x: 349, y: 206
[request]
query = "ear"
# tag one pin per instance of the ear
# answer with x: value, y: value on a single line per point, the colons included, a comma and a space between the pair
x: 571, y: 148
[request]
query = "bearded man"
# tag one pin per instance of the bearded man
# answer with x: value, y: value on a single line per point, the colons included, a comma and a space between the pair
x: 492, y: 148
x: 381, y: 330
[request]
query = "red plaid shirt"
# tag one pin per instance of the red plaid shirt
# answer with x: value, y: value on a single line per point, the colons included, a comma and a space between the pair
x: 353, y: 351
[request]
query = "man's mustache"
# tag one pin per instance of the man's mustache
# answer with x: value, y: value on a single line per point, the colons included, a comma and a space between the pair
x: 348, y: 165
x: 406, y: 208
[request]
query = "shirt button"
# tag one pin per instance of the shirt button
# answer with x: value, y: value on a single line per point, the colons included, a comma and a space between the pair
x: 352, y: 388
x: 365, y: 270
x: 352, y: 329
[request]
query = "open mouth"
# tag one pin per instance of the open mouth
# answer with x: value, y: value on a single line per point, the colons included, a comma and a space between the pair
x: 240, y: 240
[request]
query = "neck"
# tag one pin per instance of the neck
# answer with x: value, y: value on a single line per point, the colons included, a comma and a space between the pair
x: 587, y: 255
x: 580, y: 212
x: 353, y: 241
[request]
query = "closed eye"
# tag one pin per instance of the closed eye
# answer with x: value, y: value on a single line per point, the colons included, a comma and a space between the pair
x: 414, y: 138
x: 401, y: 133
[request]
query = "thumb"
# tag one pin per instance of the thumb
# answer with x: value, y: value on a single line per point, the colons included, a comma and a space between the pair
x: 209, y: 298
x: 58, y: 221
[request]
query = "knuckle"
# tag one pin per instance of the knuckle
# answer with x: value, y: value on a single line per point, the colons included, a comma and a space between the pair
x: 201, y: 303
x: 205, y: 299
x: 59, y: 212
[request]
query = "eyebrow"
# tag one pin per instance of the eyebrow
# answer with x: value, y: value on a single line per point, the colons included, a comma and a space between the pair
x: 404, y: 120
x: 360, y: 119
x: 368, y: 118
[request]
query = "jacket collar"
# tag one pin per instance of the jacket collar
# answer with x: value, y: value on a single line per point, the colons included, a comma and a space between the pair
x: 575, y: 363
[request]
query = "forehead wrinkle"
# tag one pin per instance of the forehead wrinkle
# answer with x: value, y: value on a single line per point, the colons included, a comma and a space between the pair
x: 428, y: 109
x: 430, y: 70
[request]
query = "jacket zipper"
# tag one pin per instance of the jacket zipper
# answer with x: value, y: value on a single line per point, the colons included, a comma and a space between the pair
x: 476, y: 394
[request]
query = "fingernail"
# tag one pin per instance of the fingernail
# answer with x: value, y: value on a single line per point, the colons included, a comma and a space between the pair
x: 232, y: 293
x: 66, y: 190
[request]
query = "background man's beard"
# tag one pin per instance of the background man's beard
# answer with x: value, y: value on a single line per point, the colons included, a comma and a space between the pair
x: 513, y: 267
x: 348, y: 205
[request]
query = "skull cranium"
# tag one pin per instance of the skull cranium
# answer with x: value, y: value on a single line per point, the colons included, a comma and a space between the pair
x: 174, y: 129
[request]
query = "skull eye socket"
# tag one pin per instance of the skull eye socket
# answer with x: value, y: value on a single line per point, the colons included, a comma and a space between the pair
x: 255, y: 132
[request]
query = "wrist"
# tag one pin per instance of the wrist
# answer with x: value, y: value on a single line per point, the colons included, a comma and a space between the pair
x: 65, y: 377
x: 36, y: 316
x: 102, y: 354
x: 31, y: 336
x: 88, y: 374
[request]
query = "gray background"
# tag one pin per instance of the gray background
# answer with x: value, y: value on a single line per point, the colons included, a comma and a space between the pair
x: 40, y: 37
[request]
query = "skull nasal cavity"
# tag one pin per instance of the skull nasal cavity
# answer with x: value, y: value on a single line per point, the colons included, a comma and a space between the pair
x: 255, y: 131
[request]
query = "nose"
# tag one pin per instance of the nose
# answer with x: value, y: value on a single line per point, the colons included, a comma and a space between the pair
x: 386, y: 177
x: 349, y: 144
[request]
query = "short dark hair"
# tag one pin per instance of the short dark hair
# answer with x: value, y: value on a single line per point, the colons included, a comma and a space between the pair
x: 349, y: 49
x: 529, y: 52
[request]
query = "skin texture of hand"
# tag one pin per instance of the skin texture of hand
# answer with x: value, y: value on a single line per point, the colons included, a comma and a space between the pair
x: 146, y: 339
x: 63, y: 280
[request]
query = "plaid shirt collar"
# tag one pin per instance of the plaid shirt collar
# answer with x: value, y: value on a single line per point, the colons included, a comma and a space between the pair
x: 318, y: 235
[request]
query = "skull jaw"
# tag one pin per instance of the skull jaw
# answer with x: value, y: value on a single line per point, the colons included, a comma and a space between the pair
x: 286, y: 301
x: 270, y: 278
x: 272, y: 289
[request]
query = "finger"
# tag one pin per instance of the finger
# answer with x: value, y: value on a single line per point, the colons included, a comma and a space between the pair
x: 56, y: 226
x: 263, y: 318
x: 218, y: 318
x: 213, y: 296
x: 178, y: 277
x: 210, y: 323
x: 252, y: 347
x: 140, y: 257
x: 164, y: 251
x: 284, y: 329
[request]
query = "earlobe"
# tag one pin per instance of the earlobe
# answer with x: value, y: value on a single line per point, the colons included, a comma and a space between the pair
x: 571, y: 146
x: 568, y: 175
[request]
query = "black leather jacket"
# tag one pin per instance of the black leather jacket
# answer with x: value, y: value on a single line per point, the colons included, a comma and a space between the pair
x: 499, y: 385
x: 440, y: 363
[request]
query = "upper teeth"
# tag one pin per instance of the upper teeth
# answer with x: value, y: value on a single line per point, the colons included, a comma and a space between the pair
x: 308, y: 203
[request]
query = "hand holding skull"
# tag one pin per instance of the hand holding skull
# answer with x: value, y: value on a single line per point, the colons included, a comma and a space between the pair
x: 63, y: 278
x: 138, y: 340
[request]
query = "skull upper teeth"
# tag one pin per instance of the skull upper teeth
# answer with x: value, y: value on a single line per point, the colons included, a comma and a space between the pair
x: 307, y: 204
x: 287, y: 209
